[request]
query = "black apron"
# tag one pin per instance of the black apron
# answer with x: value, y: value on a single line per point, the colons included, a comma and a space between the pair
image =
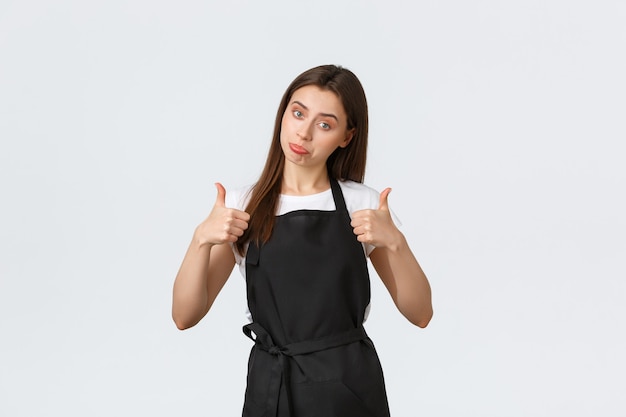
x: 308, y: 288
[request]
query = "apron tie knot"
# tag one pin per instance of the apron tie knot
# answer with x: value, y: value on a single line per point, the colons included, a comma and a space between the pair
x: 281, y: 372
x: 275, y: 350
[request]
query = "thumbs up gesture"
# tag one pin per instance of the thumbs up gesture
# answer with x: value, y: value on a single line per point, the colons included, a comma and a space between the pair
x: 223, y: 224
x: 376, y: 226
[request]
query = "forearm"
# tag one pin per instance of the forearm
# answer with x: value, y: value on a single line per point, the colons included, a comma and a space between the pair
x: 190, y: 296
x: 413, y: 290
x: 405, y: 280
x: 208, y: 262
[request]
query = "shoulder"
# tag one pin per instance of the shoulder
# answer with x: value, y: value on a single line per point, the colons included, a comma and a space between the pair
x: 359, y: 196
x: 238, y: 197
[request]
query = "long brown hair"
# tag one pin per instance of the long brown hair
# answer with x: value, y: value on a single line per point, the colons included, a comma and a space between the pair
x: 343, y: 164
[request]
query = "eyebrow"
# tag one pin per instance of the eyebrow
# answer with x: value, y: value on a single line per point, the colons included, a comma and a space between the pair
x: 321, y: 114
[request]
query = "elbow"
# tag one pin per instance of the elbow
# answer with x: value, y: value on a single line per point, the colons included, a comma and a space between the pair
x: 185, y: 317
x: 421, y: 320
x: 423, y: 323
x: 182, y: 323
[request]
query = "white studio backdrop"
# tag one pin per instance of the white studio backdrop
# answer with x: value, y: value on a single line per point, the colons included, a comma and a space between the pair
x: 499, y: 126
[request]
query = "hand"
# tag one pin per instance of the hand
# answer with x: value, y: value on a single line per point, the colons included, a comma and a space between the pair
x: 376, y: 226
x: 223, y: 224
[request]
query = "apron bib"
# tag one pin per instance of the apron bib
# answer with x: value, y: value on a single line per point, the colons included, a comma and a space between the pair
x: 308, y: 288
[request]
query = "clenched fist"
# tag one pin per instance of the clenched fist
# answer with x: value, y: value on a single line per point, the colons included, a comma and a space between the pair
x: 376, y: 227
x: 223, y: 224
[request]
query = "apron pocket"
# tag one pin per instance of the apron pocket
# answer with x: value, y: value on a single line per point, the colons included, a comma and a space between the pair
x: 328, y: 399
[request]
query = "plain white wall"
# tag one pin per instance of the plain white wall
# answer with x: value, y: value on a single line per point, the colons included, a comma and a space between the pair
x: 499, y: 125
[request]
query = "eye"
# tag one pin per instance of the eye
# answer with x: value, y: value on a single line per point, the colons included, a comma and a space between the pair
x: 324, y: 125
x: 298, y: 114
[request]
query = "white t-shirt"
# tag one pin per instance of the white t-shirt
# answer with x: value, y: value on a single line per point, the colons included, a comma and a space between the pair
x: 356, y: 195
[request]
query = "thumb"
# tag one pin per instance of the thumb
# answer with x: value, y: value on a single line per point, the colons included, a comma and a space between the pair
x: 220, y: 200
x: 383, y: 204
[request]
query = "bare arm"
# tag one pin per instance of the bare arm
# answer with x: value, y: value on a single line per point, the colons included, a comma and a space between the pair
x: 405, y: 281
x: 207, y: 264
x: 394, y: 262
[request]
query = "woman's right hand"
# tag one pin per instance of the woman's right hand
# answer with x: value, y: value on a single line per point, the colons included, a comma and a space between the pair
x: 223, y: 224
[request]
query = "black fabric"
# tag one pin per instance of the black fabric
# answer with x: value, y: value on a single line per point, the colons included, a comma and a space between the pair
x: 308, y: 288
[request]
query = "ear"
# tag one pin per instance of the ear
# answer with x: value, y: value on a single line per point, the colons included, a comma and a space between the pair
x: 348, y: 139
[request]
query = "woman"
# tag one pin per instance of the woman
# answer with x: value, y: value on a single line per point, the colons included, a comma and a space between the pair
x: 301, y: 236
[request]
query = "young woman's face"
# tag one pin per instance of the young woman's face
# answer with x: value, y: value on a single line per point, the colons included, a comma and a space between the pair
x: 313, y: 126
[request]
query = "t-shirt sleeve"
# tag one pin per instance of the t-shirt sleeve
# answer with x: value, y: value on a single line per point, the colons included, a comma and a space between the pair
x: 237, y: 198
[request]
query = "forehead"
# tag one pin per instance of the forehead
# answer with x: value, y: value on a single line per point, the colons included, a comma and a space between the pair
x: 317, y: 99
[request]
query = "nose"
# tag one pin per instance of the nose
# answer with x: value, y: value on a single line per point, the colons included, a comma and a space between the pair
x: 304, y: 131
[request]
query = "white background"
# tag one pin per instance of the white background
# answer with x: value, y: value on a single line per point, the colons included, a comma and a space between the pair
x: 499, y: 125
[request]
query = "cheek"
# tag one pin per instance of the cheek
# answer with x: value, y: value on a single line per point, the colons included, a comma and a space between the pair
x: 284, y: 128
x: 284, y: 125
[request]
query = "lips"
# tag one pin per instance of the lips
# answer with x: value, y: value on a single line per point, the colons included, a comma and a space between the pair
x: 298, y: 149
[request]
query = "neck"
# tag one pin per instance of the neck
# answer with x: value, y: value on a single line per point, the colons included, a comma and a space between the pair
x: 304, y: 182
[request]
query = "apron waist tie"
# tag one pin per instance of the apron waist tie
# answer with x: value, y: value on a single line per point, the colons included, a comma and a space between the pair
x: 281, y: 368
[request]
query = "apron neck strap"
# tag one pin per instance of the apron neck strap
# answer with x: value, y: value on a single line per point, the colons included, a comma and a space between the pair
x: 340, y: 203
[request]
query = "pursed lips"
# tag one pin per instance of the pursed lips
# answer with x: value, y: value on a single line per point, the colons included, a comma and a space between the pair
x: 298, y: 149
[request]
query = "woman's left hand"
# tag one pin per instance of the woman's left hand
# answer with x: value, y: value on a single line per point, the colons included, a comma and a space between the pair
x: 376, y: 227
x: 395, y: 263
